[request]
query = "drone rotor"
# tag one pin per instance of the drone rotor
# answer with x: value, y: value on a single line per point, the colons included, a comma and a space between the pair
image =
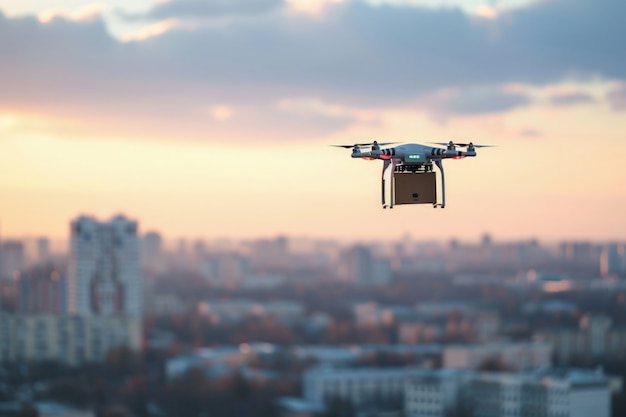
x: 462, y: 145
x: 372, y: 144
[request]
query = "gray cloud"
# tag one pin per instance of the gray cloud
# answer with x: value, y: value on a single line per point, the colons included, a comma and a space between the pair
x: 208, y: 8
x: 357, y: 55
x: 476, y: 101
x: 571, y: 98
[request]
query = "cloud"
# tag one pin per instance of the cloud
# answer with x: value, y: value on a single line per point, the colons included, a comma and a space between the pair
x: 356, y: 56
x: 82, y: 14
x: 617, y: 98
x: 475, y: 100
x: 182, y: 9
x: 568, y: 99
x: 152, y: 30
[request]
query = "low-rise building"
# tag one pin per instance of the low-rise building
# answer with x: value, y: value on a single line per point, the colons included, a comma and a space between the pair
x: 422, y: 392
x: 547, y: 392
x: 504, y: 355
x: 230, y: 311
x: 595, y: 338
x: 363, y: 388
x: 69, y: 339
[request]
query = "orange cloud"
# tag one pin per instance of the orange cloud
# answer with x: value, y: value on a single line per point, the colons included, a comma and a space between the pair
x: 151, y: 31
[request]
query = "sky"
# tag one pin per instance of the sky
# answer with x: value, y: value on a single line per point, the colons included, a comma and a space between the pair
x: 212, y: 118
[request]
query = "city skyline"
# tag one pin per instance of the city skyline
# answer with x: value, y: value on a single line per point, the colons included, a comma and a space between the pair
x: 215, y: 122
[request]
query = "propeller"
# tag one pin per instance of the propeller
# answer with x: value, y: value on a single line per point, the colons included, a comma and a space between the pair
x: 375, y: 143
x: 463, y: 145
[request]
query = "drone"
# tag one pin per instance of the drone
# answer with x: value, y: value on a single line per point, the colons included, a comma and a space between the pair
x: 412, y: 158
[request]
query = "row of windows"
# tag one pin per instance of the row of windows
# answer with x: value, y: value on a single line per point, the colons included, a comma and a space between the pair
x: 424, y: 400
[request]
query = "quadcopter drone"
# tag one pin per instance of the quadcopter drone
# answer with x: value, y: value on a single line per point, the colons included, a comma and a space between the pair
x: 412, y: 158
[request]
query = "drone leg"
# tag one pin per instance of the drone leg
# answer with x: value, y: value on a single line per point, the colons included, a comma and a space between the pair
x: 392, y: 182
x: 383, y: 193
x: 443, y: 184
x: 383, y: 190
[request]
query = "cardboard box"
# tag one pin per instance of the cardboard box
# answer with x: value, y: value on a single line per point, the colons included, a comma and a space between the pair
x: 415, y: 188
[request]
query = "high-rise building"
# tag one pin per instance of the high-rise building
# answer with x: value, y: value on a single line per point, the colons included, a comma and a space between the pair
x: 43, y: 250
x: 612, y: 260
x: 13, y: 258
x: 104, y: 275
x: 152, y: 252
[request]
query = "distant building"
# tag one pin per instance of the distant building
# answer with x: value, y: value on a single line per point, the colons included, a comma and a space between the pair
x: 446, y: 392
x: 13, y: 258
x: 225, y: 269
x: 42, y: 409
x: 372, y: 314
x: 594, y: 339
x: 505, y: 355
x: 359, y: 265
x: 229, y: 358
x: 421, y: 331
x: 548, y: 392
x: 579, y: 253
x: 43, y: 250
x: 270, y: 253
x: 104, y: 275
x: 225, y: 311
x: 450, y: 321
x: 437, y: 393
x: 364, y: 388
x: 166, y: 305
x: 42, y: 290
x: 69, y: 339
x: 612, y: 260
x: 297, y: 407
x: 152, y: 252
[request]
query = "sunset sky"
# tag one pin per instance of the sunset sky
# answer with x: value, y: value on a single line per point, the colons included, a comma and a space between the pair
x: 212, y: 118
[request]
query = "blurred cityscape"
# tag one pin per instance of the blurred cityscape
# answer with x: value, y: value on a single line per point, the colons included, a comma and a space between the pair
x: 125, y: 322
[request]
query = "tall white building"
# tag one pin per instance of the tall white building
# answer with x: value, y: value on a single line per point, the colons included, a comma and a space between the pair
x: 104, y: 275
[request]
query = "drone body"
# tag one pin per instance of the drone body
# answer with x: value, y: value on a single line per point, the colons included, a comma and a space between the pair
x: 412, y: 158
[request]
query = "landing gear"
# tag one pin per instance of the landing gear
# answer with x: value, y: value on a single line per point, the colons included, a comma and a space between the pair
x: 388, y: 165
x: 443, y: 184
x: 391, y: 166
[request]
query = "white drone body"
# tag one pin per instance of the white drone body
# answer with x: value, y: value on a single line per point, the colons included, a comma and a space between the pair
x: 412, y: 157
